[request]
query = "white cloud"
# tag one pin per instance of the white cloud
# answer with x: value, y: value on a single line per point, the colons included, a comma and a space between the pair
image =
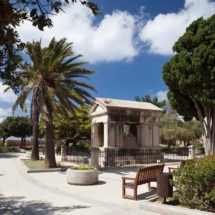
x: 8, y: 96
x: 164, y: 30
x: 113, y: 39
x: 4, y: 113
x: 162, y: 95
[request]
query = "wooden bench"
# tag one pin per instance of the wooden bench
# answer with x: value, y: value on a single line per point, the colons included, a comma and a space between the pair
x: 182, y: 163
x: 144, y: 175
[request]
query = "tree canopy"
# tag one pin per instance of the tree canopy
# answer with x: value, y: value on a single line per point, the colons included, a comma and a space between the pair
x: 190, y: 77
x: 72, y: 129
x: 154, y: 101
x: 19, y: 126
x: 13, y: 13
x: 173, y: 129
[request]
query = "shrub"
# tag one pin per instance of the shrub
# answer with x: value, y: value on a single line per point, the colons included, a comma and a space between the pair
x: 4, y: 149
x: 195, y: 183
x: 176, y: 146
x: 163, y: 146
x: 199, y: 147
x: 82, y: 167
x: 13, y: 149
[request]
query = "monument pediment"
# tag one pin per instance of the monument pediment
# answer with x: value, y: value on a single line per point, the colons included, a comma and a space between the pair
x: 97, y: 108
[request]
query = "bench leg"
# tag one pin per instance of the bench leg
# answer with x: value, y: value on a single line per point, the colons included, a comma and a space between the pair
x: 123, y: 189
x: 123, y: 192
x: 135, y: 194
x: 149, y: 187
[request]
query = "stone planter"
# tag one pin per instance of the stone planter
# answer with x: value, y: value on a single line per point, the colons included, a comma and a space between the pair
x: 82, y: 177
x: 28, y: 154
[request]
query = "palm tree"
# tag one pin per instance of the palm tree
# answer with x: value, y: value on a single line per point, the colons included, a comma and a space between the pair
x: 54, y: 79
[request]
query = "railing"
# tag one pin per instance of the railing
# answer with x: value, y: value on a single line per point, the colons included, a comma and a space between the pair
x: 130, y: 157
x: 78, y: 156
x: 137, y: 157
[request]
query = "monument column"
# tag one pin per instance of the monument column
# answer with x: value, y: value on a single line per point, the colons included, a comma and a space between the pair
x: 140, y: 135
x: 155, y: 135
x: 148, y: 130
x: 92, y: 134
x: 105, y: 134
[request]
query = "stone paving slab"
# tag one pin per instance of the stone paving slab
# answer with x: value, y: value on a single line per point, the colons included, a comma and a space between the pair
x: 48, y: 192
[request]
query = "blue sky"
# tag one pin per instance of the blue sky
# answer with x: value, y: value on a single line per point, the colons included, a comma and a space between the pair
x: 127, y: 46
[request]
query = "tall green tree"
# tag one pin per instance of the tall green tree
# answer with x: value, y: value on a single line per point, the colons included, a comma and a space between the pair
x: 12, y: 14
x: 22, y: 127
x: 72, y: 130
x: 154, y: 101
x: 190, y: 77
x: 19, y: 126
x: 1, y: 131
x: 173, y: 129
x: 54, y: 78
x: 6, y: 125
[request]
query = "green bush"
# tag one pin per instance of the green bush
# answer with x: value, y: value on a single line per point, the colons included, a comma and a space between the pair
x: 176, y: 146
x: 163, y: 146
x: 13, y: 149
x: 199, y: 146
x: 4, y: 149
x: 195, y: 183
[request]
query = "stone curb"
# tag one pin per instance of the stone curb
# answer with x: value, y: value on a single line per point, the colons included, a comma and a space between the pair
x: 47, y: 170
x: 63, y: 169
x: 148, y: 205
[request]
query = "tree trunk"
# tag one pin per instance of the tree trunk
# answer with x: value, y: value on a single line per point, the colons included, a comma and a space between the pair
x: 21, y: 145
x: 3, y: 142
x: 208, y: 131
x: 50, y: 161
x: 35, y: 124
x: 24, y: 141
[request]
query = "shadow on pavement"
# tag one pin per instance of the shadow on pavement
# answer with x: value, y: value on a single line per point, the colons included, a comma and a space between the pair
x: 100, y: 183
x: 119, y: 171
x: 10, y: 155
x: 147, y: 195
x: 18, y: 205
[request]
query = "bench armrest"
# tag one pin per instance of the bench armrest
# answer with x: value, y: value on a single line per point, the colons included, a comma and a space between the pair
x: 126, y: 178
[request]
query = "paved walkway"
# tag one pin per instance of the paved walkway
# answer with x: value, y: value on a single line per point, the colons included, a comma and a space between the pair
x: 48, y: 193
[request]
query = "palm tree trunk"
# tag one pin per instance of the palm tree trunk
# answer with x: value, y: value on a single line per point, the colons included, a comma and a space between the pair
x: 50, y: 161
x: 35, y: 125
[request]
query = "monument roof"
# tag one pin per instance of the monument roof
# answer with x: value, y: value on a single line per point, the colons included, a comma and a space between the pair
x: 108, y: 102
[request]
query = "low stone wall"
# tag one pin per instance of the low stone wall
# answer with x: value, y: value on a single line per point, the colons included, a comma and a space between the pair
x: 17, y: 143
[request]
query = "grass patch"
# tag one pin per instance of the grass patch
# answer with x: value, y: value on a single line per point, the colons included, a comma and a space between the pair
x: 34, y: 164
x: 38, y: 164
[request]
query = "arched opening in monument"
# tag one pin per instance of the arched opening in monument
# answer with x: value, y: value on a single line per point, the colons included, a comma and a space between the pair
x: 130, y: 134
